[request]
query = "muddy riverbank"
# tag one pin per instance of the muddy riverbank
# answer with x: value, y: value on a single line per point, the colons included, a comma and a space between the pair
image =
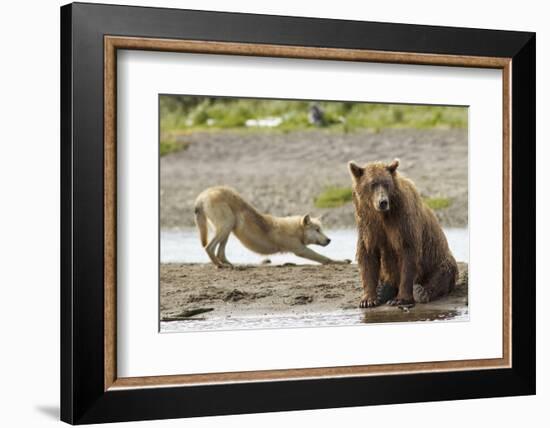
x: 283, y: 296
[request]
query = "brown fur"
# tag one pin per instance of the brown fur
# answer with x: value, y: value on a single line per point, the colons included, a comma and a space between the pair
x: 400, y: 241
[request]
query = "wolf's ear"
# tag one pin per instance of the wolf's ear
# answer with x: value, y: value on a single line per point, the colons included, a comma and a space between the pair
x: 355, y: 170
x: 393, y: 166
x: 306, y: 220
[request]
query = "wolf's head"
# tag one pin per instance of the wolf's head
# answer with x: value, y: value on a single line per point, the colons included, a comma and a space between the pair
x: 374, y: 184
x: 313, y: 233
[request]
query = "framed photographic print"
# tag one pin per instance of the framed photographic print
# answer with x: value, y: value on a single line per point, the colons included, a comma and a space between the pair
x: 265, y: 213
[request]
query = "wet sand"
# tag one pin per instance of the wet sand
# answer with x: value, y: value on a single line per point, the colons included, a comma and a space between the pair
x: 203, y: 292
x: 282, y: 173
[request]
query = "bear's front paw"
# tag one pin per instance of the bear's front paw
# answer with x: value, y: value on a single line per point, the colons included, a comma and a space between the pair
x: 368, y: 302
x: 401, y: 301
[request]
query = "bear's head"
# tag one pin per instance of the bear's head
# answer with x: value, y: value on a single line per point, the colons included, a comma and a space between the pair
x: 374, y: 183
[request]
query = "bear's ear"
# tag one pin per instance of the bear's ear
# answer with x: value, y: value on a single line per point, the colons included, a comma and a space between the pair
x: 306, y: 220
x: 355, y: 170
x: 393, y: 166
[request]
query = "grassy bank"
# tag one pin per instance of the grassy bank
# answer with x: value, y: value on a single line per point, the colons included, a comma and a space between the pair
x: 183, y: 114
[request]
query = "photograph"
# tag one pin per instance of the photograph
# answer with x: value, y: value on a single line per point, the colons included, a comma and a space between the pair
x: 290, y: 213
x: 344, y: 205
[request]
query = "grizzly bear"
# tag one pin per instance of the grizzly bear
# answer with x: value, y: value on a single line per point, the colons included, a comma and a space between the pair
x: 400, y: 242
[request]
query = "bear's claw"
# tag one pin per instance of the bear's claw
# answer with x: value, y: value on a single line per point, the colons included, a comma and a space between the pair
x: 369, y: 302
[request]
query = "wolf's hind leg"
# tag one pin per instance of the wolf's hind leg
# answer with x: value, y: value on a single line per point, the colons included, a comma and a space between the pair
x: 221, y: 237
x: 220, y: 254
x: 210, y: 251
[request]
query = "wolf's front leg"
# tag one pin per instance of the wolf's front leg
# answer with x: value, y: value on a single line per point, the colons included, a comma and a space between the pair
x: 308, y: 253
x: 340, y: 262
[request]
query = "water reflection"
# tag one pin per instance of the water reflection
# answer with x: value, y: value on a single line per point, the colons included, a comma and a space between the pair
x: 349, y: 317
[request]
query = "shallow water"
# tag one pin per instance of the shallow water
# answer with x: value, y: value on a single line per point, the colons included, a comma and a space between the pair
x: 348, y: 317
x: 183, y: 246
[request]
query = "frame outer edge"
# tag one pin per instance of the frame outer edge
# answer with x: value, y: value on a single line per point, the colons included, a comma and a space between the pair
x: 237, y: 27
x: 523, y: 131
x: 82, y: 402
x: 66, y: 226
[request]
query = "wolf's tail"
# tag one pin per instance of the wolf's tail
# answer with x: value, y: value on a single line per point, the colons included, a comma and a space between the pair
x: 201, y: 222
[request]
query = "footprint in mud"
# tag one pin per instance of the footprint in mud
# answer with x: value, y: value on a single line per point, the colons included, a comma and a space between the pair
x: 199, y: 298
x: 302, y: 300
x: 332, y: 295
x: 210, y: 293
x: 324, y: 285
x: 235, y: 296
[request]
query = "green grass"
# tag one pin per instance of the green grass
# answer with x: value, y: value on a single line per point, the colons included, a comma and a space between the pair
x: 187, y: 113
x: 333, y: 197
x: 168, y: 144
x: 437, y: 203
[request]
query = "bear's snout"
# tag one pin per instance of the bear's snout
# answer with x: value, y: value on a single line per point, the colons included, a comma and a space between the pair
x: 383, y: 205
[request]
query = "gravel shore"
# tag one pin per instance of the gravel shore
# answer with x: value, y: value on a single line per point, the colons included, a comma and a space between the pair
x: 282, y: 173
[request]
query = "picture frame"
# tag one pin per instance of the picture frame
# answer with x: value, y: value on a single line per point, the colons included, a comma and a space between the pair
x: 91, y: 391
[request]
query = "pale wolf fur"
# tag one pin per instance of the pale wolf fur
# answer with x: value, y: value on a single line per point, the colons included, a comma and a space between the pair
x: 265, y: 234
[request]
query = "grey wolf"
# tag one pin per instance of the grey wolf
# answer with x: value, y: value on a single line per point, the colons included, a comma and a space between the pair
x: 228, y: 213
